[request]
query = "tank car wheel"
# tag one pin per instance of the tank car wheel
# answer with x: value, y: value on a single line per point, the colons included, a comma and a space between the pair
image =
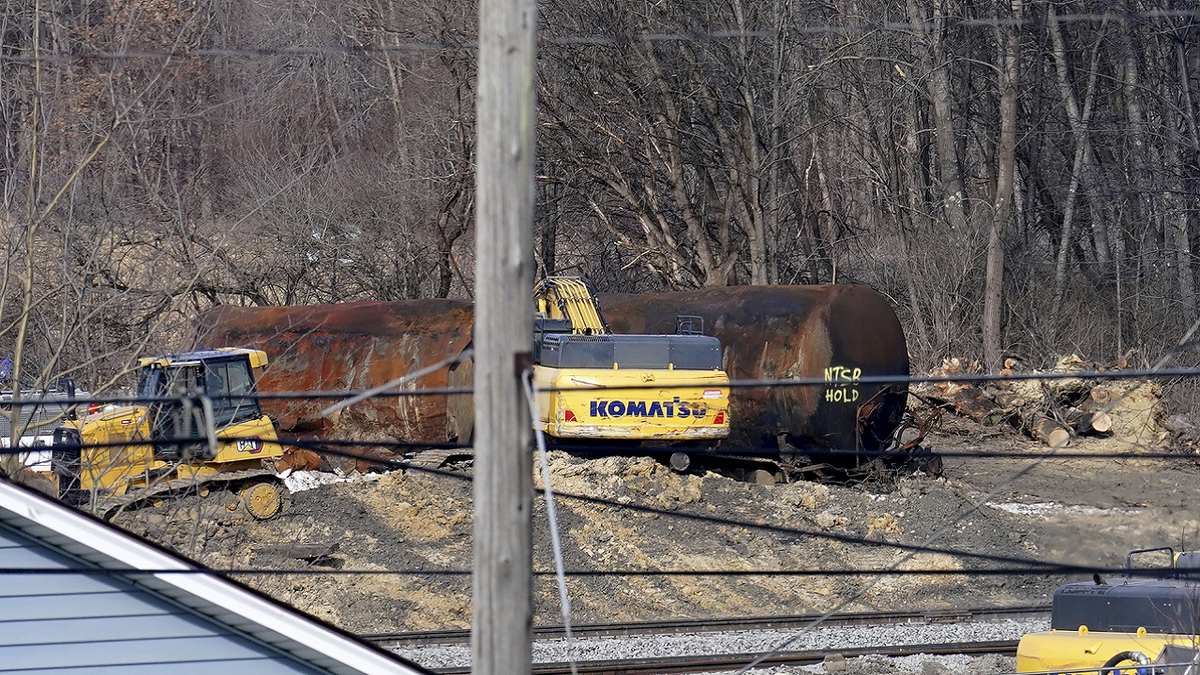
x: 262, y: 500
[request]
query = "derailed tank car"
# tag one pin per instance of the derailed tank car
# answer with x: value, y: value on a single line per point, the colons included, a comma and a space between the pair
x: 838, y: 334
x: 356, y: 346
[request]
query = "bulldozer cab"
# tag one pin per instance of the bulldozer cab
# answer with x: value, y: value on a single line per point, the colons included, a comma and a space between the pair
x: 213, y: 383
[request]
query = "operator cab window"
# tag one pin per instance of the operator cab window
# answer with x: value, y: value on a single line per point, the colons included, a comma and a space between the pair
x: 225, y: 382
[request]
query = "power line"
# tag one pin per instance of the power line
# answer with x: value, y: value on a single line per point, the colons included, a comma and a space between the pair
x: 35, y: 399
x: 317, y: 570
x: 597, y: 449
x: 958, y: 517
x: 423, y: 47
x: 714, y: 520
x: 1039, y: 567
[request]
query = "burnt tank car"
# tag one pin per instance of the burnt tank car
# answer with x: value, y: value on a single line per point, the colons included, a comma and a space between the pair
x: 837, y: 334
x: 354, y: 346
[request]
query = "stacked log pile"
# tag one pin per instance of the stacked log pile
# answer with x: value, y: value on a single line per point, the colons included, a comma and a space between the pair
x: 1053, y: 410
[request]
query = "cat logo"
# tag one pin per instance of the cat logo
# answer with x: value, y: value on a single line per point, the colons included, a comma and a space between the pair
x: 250, y: 445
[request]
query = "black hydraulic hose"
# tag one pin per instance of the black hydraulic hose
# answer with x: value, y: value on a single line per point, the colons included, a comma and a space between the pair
x: 1137, y: 657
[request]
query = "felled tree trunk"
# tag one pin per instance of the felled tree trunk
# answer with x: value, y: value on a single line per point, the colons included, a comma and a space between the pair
x: 1085, y: 422
x: 1050, y: 432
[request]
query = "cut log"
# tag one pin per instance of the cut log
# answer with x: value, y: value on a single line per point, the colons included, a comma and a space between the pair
x: 760, y: 477
x: 1051, y: 433
x: 1087, y: 422
x: 680, y: 461
x: 1097, y: 398
x: 966, y: 400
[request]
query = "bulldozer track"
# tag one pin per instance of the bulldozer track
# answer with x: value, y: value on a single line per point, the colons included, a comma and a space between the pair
x: 109, y: 507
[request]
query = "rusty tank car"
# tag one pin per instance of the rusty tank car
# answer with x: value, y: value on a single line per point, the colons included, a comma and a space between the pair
x: 355, y: 346
x: 837, y: 334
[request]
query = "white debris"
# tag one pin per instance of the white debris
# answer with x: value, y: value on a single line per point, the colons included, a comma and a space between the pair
x: 1046, y: 508
x: 299, y: 481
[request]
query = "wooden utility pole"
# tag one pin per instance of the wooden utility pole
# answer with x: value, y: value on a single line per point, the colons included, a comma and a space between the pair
x: 501, y: 629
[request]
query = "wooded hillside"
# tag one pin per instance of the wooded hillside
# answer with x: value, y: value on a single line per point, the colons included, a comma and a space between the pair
x: 162, y: 156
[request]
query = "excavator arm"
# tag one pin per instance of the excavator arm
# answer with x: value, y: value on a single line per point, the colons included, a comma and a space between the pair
x: 570, y: 298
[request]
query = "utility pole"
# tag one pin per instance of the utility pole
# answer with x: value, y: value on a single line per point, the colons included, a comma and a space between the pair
x: 502, y: 599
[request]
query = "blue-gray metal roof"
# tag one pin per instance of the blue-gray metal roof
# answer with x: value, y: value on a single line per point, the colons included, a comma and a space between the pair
x: 130, y: 622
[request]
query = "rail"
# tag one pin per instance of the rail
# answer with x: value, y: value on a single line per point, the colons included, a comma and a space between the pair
x: 463, y: 635
x: 709, y: 663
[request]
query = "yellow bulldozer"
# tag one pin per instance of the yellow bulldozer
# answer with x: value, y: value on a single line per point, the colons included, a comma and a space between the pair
x: 594, y: 384
x: 200, y: 429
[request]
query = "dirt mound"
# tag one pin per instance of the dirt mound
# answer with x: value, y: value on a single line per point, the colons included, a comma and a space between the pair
x: 629, y: 516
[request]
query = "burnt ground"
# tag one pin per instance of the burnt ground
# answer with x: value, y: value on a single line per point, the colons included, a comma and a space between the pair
x: 402, y: 524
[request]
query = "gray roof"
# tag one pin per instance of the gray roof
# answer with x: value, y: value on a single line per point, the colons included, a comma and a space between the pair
x: 73, y: 617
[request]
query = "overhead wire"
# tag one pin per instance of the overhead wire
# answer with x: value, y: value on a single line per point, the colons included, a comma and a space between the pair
x: 717, y: 520
x: 316, y: 569
x: 328, y: 446
x: 724, y: 521
x: 551, y: 517
x: 347, y: 398
x: 1017, y: 566
x: 397, y: 382
x: 770, y: 32
x: 742, y: 383
x: 323, y: 446
x: 212, y: 438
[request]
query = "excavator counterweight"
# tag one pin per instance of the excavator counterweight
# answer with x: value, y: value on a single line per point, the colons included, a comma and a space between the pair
x: 594, y: 384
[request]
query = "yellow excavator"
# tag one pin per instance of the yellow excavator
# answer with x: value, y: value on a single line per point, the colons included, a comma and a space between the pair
x: 205, y: 431
x: 593, y: 384
x: 1141, y: 617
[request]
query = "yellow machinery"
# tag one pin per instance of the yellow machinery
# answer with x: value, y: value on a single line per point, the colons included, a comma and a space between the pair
x: 206, y: 430
x: 593, y: 384
x: 1127, y: 620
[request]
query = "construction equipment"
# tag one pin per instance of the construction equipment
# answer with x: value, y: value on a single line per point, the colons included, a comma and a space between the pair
x: 594, y: 384
x: 40, y: 412
x: 1106, y: 622
x: 205, y: 430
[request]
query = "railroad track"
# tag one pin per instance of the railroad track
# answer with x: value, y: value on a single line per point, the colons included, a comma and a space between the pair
x: 703, y: 664
x: 462, y: 636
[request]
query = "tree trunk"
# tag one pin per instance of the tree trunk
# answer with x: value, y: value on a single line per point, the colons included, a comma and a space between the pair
x: 1183, y: 248
x: 933, y: 60
x: 1081, y: 164
x: 1002, y: 203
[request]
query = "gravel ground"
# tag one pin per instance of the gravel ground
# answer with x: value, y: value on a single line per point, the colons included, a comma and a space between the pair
x: 754, y: 642
x: 918, y: 664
